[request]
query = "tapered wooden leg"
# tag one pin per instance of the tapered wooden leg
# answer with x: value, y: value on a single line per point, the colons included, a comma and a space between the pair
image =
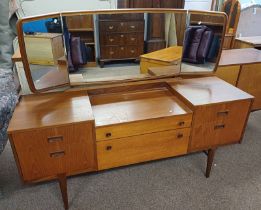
x: 211, y: 153
x: 63, y: 187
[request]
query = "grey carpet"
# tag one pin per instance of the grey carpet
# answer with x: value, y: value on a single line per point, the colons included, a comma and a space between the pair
x: 175, y: 183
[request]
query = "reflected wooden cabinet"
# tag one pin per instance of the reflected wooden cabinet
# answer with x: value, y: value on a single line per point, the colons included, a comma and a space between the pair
x: 121, y: 37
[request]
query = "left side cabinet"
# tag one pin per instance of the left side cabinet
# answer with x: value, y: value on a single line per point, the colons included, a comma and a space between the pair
x: 44, y: 153
x: 53, y: 134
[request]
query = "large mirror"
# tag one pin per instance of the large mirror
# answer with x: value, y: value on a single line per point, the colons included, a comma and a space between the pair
x: 123, y: 45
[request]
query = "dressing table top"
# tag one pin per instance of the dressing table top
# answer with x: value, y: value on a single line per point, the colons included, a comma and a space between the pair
x: 208, y: 90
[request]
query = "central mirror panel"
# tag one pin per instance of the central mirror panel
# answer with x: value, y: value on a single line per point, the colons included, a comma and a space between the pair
x: 112, y: 47
x: 104, y: 47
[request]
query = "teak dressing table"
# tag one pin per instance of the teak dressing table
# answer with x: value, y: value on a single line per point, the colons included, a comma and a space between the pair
x: 92, y: 128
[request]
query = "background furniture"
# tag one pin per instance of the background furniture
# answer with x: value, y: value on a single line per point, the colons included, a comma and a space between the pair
x: 44, y: 48
x: 248, y: 42
x: 155, y: 32
x: 164, y: 57
x: 121, y: 37
x: 232, y: 8
x: 242, y: 68
x: 83, y: 26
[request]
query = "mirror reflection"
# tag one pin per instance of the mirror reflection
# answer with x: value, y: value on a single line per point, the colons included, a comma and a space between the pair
x: 45, y: 52
x: 111, y: 47
x: 202, y: 42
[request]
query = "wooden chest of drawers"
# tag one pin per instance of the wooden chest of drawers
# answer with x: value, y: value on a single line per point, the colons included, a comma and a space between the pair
x: 121, y: 37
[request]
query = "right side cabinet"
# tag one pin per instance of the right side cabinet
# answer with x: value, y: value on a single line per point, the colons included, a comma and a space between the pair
x: 220, y: 111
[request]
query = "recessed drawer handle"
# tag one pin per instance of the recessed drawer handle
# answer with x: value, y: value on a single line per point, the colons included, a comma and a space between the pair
x: 122, y: 23
x: 122, y: 36
x: 180, y: 135
x: 181, y: 123
x: 111, y: 52
x: 122, y: 48
x: 54, y: 139
x: 108, y: 135
x: 111, y: 27
x: 111, y: 40
x: 133, y: 27
x: 57, y: 154
x: 132, y: 39
x: 219, y: 126
x: 226, y: 112
x: 108, y: 148
x: 132, y: 51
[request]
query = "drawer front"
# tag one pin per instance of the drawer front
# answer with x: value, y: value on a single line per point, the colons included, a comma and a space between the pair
x: 133, y: 52
x: 109, y: 52
x: 135, y: 26
x: 143, y: 127
x: 225, y: 127
x: 136, y: 149
x: 44, y: 153
x: 119, y: 26
x: 134, y: 39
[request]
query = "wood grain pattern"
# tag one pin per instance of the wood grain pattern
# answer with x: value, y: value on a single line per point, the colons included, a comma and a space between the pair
x: 135, y: 106
x: 52, y: 109
x: 40, y: 159
x: 142, y: 148
x: 229, y: 74
x: 250, y: 81
x: 240, y: 57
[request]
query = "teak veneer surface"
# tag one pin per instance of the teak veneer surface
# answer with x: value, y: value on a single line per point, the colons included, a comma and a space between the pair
x: 208, y: 90
x: 240, y: 57
x: 46, y: 110
x: 135, y: 106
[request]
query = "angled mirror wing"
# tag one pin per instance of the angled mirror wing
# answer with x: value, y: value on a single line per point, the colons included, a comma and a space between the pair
x: 43, y: 52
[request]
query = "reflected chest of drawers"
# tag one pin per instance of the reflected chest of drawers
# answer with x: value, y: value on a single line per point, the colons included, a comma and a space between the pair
x: 121, y: 37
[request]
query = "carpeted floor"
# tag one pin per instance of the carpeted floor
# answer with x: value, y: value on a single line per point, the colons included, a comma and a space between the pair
x: 175, y: 183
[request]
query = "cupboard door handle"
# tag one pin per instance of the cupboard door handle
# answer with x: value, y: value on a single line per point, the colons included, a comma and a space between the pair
x: 226, y: 112
x: 221, y: 126
x: 54, y: 139
x: 108, y: 148
x: 181, y: 123
x: 57, y: 154
x: 108, y: 135
x: 180, y: 135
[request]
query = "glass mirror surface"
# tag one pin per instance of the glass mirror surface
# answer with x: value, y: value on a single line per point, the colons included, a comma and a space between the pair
x: 86, y: 47
x: 112, y: 47
x: 202, y: 42
x: 44, y: 45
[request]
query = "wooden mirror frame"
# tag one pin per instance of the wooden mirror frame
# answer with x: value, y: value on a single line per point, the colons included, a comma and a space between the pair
x: 96, y: 12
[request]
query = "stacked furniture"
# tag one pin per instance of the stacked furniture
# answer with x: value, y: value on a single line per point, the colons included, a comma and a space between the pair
x: 121, y: 37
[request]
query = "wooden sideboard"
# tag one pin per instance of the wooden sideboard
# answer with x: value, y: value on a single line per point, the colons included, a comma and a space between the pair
x: 242, y: 68
x: 55, y: 135
x: 248, y: 42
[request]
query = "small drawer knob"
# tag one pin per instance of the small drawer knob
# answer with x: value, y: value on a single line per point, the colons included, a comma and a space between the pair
x: 108, y: 135
x: 122, y: 48
x: 180, y: 135
x: 108, y: 148
x: 181, y: 123
x: 132, y: 39
x: 132, y: 51
x: 122, y: 35
x: 111, y: 40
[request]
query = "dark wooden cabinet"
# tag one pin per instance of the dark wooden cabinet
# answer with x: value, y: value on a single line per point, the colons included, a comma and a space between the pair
x: 121, y: 37
x: 155, y: 31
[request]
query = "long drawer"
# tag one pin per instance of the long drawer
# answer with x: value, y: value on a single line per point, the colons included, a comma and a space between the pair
x: 112, y: 39
x: 143, y: 127
x: 121, y: 26
x: 141, y: 148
